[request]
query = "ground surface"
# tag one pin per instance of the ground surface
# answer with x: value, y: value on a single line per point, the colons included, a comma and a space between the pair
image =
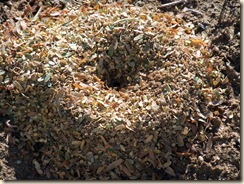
x: 211, y: 149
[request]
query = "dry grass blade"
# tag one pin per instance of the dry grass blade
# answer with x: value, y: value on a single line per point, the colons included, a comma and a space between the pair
x: 173, y: 3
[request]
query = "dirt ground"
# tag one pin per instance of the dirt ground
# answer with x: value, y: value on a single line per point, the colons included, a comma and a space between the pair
x: 217, y: 19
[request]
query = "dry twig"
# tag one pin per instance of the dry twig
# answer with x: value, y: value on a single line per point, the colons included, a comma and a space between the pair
x: 193, y: 11
x: 173, y: 3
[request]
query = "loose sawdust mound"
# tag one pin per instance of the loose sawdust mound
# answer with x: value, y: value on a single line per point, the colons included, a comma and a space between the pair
x: 109, y: 91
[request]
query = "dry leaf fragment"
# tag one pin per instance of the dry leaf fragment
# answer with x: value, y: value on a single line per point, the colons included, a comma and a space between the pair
x: 154, y: 106
x: 120, y: 127
x: 86, y: 86
x: 55, y: 14
x: 143, y: 153
x: 97, y: 79
x: 9, y: 138
x: 1, y: 165
x: 170, y: 171
x: 194, y: 128
x: 151, y: 154
x: 96, y: 7
x: 47, y: 172
x: 80, y: 75
x: 128, y: 164
x: 114, y: 165
x: 225, y: 80
x: 64, y: 163
x: 167, y: 164
x: 128, y: 123
x: 18, y: 85
x: 160, y: 165
x: 78, y: 95
x: 23, y: 24
x: 78, y: 172
x: 82, y: 144
x: 129, y: 128
x: 149, y: 139
x: 101, y: 103
x: 76, y: 143
x: 183, y: 154
x: 125, y: 170
x: 180, y: 140
x: 37, y: 167
x: 60, y: 94
x: 201, y: 115
x: 111, y: 50
x: 209, y: 68
x: 178, y: 100
x: 122, y: 147
x: 9, y: 125
x: 77, y: 86
x: 100, y: 169
x: 106, y: 144
x: 216, y: 82
x: 185, y: 131
x: 197, y: 43
x: 138, y: 37
x: 209, y: 143
x: 61, y: 174
x: 48, y: 76
x: 202, y: 134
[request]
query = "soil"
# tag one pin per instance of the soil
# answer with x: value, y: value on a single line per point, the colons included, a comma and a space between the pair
x: 218, y: 20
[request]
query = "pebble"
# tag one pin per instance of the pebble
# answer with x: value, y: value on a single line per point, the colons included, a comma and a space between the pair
x: 18, y: 162
x: 224, y: 145
x: 200, y: 158
x: 51, y: 63
x: 144, y: 176
x: 2, y: 72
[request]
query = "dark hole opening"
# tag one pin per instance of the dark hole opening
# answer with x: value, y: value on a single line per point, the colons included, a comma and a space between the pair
x: 115, y: 84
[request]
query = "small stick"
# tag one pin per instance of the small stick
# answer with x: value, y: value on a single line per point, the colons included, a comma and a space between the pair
x: 194, y: 11
x: 173, y: 3
x: 37, y: 14
x: 8, y: 124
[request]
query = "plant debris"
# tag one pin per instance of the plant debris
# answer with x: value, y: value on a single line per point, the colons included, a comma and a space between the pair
x: 102, y: 91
